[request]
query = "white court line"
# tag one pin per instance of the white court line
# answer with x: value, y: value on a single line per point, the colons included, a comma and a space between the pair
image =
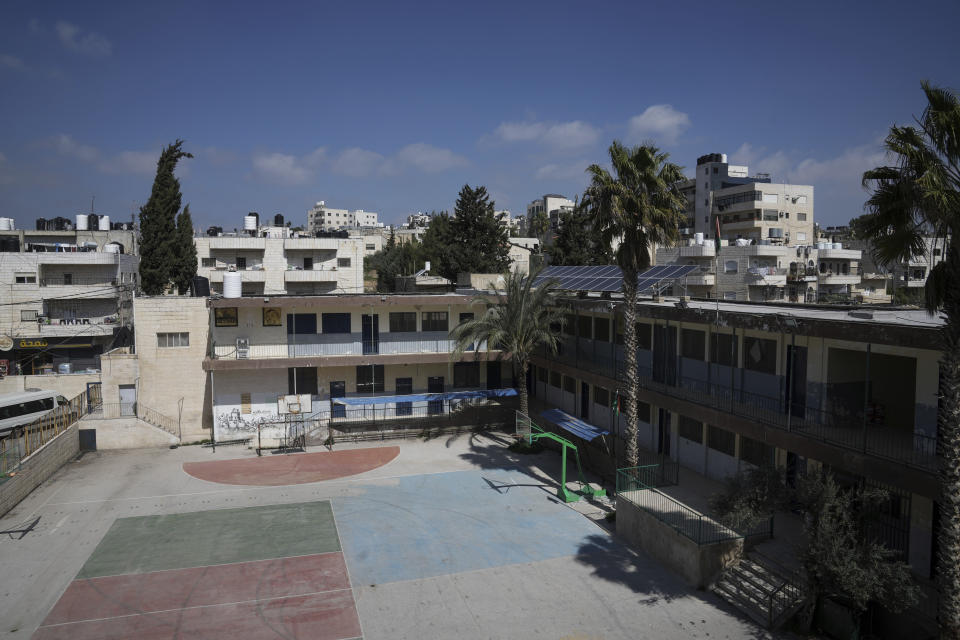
x: 353, y: 593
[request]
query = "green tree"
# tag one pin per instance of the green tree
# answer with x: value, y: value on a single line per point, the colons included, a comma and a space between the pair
x: 749, y: 496
x: 641, y: 207
x: 158, y: 238
x: 390, y: 262
x: 480, y: 242
x: 839, y: 559
x: 519, y: 321
x: 185, y: 265
x: 438, y: 245
x: 538, y: 224
x: 918, y: 195
x: 392, y: 239
x: 578, y: 242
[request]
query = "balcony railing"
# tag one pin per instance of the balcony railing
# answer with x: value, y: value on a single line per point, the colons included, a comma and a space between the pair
x: 845, y: 429
x: 344, y: 344
x: 68, y: 282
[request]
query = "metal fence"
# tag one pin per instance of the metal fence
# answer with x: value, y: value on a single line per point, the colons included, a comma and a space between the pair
x: 113, y: 410
x: 26, y: 440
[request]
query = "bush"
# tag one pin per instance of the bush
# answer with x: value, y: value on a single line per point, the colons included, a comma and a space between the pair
x: 749, y: 497
x: 522, y: 446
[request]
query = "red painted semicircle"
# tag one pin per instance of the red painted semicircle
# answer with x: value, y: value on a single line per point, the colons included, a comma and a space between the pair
x: 297, y: 468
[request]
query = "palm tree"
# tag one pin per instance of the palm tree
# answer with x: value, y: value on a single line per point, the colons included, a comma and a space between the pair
x: 640, y: 206
x: 519, y: 321
x: 918, y: 195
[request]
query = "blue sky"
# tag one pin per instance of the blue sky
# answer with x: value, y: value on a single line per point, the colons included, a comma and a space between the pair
x: 392, y: 107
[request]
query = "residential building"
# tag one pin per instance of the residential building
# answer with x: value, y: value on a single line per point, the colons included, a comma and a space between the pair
x: 67, y: 298
x: 768, y: 272
x: 727, y: 387
x: 752, y: 208
x: 418, y: 219
x: 323, y: 218
x: 272, y: 266
x: 339, y: 347
x: 521, y: 253
x: 552, y: 205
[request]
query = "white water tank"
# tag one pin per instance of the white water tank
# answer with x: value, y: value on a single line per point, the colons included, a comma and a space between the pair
x: 81, y: 222
x: 111, y: 247
x: 249, y: 223
x: 698, y: 238
x: 232, y: 285
x: 6, y: 224
x: 838, y: 245
x: 104, y: 223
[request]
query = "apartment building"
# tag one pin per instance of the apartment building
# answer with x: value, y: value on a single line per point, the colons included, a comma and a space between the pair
x: 323, y: 218
x: 748, y: 207
x: 553, y: 205
x: 767, y: 272
x: 802, y: 388
x: 283, y: 265
x: 335, y: 353
x: 67, y: 298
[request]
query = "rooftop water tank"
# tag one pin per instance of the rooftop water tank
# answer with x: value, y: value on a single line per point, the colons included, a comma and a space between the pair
x: 6, y: 224
x: 232, y: 285
x: 278, y: 220
x: 821, y: 245
x: 698, y: 238
x: 249, y: 223
x: 104, y: 223
x: 81, y: 222
x: 838, y: 245
x: 112, y: 247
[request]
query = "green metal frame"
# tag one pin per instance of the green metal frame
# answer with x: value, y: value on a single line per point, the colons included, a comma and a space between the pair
x: 536, y: 433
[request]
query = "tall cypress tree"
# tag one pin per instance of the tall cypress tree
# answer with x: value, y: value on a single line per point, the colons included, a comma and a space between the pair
x: 158, y: 224
x: 481, y: 242
x: 185, y: 268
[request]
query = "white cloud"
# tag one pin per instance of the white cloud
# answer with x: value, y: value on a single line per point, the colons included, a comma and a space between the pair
x: 67, y: 146
x: 357, y: 163
x: 75, y: 39
x: 12, y: 62
x: 424, y: 157
x: 563, y: 135
x: 660, y: 122
x: 280, y: 168
x: 570, y: 171
x: 847, y: 167
x: 136, y: 162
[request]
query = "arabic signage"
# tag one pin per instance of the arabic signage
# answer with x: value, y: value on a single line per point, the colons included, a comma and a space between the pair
x: 33, y: 344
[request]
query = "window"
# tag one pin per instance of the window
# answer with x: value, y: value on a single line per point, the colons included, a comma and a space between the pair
x: 730, y: 266
x: 729, y: 295
x: 693, y: 344
x: 643, y: 412
x: 404, y: 388
x: 302, y: 380
x: 601, y: 329
x: 403, y: 321
x: 241, y: 263
x: 601, y: 396
x: 369, y: 378
x: 308, y: 264
x: 760, y: 355
x: 541, y: 374
x: 770, y: 198
x: 434, y: 321
x: 245, y: 401
x: 555, y: 379
x: 802, y: 217
x: 371, y: 247
x: 644, y: 339
x: 722, y: 440
x: 585, y: 327
x: 736, y: 198
x: 770, y: 215
x: 801, y: 200
x: 690, y: 429
x: 167, y: 340
x: 68, y: 278
x: 208, y: 262
x: 343, y: 262
x: 801, y: 236
x: 25, y: 278
x: 466, y: 375
x: 28, y: 315
x: 225, y: 317
x: 716, y: 171
x: 569, y: 384
x: 569, y: 324
x: 723, y: 349
x: 335, y: 322
x: 755, y: 452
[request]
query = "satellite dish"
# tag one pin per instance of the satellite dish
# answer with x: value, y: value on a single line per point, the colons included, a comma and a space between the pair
x: 6, y: 343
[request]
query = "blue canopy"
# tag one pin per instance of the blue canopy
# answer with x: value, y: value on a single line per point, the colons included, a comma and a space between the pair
x: 576, y: 426
x: 425, y: 397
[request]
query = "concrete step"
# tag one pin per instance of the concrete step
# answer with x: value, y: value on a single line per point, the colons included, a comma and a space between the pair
x: 749, y: 585
x: 745, y: 605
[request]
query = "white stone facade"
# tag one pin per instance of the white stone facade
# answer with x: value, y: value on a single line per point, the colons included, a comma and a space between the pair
x: 324, y: 218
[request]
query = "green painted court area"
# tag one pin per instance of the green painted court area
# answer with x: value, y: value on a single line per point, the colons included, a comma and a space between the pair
x: 223, y: 536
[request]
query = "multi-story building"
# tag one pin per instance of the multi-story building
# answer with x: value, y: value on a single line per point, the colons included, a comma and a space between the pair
x: 337, y: 350
x: 751, y: 208
x: 418, y: 219
x: 293, y: 265
x: 727, y: 387
x: 523, y: 251
x: 323, y: 218
x: 768, y: 272
x: 553, y: 205
x: 67, y: 298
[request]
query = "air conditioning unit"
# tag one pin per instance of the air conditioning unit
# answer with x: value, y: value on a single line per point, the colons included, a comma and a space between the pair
x: 243, y: 348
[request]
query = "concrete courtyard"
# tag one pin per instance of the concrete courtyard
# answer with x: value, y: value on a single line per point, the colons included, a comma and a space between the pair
x: 455, y: 537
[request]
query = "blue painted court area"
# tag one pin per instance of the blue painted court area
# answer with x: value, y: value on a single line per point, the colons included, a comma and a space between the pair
x: 432, y: 525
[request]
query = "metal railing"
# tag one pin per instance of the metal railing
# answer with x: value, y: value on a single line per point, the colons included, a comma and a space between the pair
x: 788, y: 595
x: 838, y: 426
x: 113, y: 410
x: 67, y: 282
x: 26, y: 440
x: 309, y: 345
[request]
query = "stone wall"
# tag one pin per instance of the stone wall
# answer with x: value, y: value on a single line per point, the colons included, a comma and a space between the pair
x: 36, y: 468
x: 68, y: 384
x: 699, y: 565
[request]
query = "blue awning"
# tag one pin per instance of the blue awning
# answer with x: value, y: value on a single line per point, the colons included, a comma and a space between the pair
x: 576, y: 426
x: 425, y: 397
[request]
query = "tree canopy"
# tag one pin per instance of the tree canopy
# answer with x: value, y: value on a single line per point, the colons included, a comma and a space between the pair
x: 578, y: 242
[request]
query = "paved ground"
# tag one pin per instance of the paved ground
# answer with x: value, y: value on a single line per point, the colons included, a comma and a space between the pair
x: 452, y: 538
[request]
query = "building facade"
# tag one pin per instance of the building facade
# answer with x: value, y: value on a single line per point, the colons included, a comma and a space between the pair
x: 67, y: 298
x: 272, y: 266
x: 553, y: 205
x: 324, y: 218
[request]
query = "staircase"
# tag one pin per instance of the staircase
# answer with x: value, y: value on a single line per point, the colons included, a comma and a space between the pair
x: 763, y: 589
